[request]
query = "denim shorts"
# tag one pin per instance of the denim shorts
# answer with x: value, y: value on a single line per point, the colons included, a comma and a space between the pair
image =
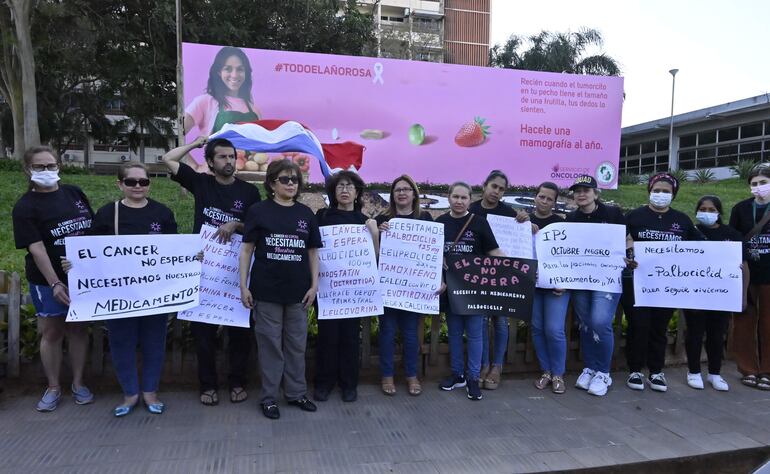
x: 46, y: 306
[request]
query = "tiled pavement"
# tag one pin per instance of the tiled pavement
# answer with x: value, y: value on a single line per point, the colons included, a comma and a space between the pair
x: 514, y: 429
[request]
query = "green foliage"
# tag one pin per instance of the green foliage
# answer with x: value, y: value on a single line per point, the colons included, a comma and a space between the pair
x: 628, y: 178
x: 29, y: 339
x: 742, y: 168
x: 703, y: 176
x: 681, y: 175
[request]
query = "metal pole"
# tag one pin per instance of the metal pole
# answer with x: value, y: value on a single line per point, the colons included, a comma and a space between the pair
x: 673, y: 155
x: 179, y: 75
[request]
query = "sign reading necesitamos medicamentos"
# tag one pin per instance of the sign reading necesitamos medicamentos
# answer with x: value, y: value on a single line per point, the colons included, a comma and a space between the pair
x: 348, y: 283
x: 689, y: 275
x: 125, y: 276
x: 580, y: 256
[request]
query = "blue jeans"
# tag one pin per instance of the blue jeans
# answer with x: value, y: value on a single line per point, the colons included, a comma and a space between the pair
x: 150, y: 333
x: 472, y: 327
x: 406, y: 321
x: 548, y: 314
x: 596, y: 311
x: 501, y: 340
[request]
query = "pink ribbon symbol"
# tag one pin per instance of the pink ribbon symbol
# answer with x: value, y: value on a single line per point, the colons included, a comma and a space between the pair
x: 378, y: 74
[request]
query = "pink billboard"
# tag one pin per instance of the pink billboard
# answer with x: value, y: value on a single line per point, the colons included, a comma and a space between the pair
x: 438, y: 123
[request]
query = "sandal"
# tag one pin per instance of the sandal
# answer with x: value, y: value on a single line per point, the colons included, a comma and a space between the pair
x: 414, y: 386
x: 543, y: 381
x: 238, y: 395
x: 210, y: 398
x: 749, y: 381
x: 492, y: 381
x: 763, y: 382
x: 388, y: 387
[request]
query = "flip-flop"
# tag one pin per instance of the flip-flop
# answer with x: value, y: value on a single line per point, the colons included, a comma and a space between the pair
x: 210, y: 398
x: 238, y: 395
x: 413, y: 386
x: 387, y: 386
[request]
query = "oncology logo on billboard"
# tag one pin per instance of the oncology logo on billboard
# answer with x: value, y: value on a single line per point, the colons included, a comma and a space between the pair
x: 567, y: 174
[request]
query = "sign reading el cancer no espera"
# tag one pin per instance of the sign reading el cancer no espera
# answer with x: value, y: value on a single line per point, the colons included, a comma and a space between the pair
x: 126, y: 276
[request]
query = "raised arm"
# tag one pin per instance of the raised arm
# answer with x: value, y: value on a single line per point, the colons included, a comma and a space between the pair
x: 173, y: 157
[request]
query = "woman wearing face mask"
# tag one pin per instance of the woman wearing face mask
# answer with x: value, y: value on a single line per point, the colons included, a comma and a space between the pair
x: 711, y: 323
x: 465, y: 235
x: 751, y: 329
x: 339, y: 340
x: 646, y: 339
x: 404, y: 204
x: 42, y: 218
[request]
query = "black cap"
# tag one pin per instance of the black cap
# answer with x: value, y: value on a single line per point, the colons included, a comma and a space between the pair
x: 584, y: 180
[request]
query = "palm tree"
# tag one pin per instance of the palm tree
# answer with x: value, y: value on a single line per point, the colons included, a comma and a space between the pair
x: 555, y: 52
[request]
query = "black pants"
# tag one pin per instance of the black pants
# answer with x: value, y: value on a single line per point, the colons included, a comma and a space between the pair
x: 714, y: 325
x: 337, y: 353
x: 647, y: 335
x: 239, y: 347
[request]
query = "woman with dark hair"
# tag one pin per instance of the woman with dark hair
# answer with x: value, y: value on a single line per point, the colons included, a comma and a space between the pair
x: 751, y: 328
x: 228, y: 94
x: 711, y: 323
x: 646, y: 338
x: 339, y: 340
x: 549, y: 308
x: 42, y: 218
x: 282, y: 236
x: 404, y: 204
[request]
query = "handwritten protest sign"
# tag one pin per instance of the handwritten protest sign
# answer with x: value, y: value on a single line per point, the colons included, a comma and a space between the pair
x: 123, y: 276
x: 689, y: 275
x: 580, y: 256
x: 514, y: 238
x: 220, y: 293
x: 348, y: 284
x: 491, y: 285
x: 411, y: 253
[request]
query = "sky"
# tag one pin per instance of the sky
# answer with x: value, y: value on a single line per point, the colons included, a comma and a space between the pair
x: 720, y: 48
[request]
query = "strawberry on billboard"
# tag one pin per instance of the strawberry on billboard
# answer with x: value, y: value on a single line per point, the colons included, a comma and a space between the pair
x: 438, y: 123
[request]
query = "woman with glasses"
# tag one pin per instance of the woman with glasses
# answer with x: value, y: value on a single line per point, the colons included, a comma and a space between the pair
x: 42, y: 218
x: 282, y: 236
x: 404, y: 204
x: 339, y: 340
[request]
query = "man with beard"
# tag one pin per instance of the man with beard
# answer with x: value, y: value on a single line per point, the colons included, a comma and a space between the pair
x: 221, y: 200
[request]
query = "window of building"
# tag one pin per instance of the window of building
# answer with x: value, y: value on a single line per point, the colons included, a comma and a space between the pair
x: 632, y: 166
x: 661, y: 163
x: 397, y: 19
x: 688, y: 140
x: 687, y: 160
x: 728, y: 155
x: 633, y: 149
x: 663, y: 144
x: 751, y: 130
x: 727, y: 134
x: 705, y: 138
x: 648, y: 147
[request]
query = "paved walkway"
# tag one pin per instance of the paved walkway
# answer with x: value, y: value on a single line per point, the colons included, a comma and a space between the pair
x: 514, y: 429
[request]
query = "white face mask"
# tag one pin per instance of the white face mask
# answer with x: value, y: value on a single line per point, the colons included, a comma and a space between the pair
x: 661, y: 200
x: 762, y: 191
x: 707, y: 218
x: 45, y: 179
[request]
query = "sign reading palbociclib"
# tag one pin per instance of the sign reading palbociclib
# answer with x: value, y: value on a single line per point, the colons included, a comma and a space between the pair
x: 124, y: 276
x: 580, y: 256
x: 348, y: 280
x: 689, y: 275
x: 220, y: 285
x: 491, y: 285
x: 411, y: 255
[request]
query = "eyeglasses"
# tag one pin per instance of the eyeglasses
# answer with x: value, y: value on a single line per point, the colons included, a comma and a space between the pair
x: 402, y: 190
x: 131, y: 182
x: 346, y: 186
x: 48, y: 167
x: 287, y: 179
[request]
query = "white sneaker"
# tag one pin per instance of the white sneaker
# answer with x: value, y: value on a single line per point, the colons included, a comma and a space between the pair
x: 718, y: 382
x: 599, y: 384
x: 658, y: 382
x: 695, y: 381
x: 635, y: 381
x: 584, y: 379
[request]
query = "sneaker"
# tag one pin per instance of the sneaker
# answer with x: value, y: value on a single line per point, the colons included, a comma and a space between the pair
x: 718, y: 382
x: 635, y: 381
x: 658, y: 382
x: 50, y: 400
x: 543, y: 381
x: 473, y: 389
x: 452, y: 382
x: 82, y: 396
x: 695, y: 381
x: 584, y: 379
x: 559, y: 386
x: 599, y: 384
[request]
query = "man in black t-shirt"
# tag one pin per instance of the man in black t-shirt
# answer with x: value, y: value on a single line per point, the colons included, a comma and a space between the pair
x: 221, y: 200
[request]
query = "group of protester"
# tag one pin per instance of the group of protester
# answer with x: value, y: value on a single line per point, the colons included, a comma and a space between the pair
x: 279, y: 291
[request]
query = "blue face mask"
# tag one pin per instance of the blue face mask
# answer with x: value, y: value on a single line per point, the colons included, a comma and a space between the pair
x: 707, y: 218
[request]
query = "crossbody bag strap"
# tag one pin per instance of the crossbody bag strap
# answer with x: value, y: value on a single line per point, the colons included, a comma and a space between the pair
x: 459, y: 234
x: 758, y: 228
x: 117, y: 206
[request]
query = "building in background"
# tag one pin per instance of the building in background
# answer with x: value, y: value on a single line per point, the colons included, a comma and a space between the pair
x: 451, y: 31
x: 713, y: 138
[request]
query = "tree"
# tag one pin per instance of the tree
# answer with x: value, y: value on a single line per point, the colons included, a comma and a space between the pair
x: 555, y: 52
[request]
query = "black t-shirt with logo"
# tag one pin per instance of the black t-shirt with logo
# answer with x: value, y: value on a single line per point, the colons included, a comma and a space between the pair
x: 723, y: 233
x: 603, y: 214
x: 644, y: 224
x: 282, y: 236
x: 330, y: 216
x: 502, y: 209
x: 743, y: 218
x: 50, y: 217
x: 216, y: 204
x: 477, y: 238
x: 154, y: 218
x: 544, y: 221
x: 423, y: 216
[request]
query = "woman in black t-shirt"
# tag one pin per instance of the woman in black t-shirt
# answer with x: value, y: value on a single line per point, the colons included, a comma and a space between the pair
x: 339, y: 340
x: 751, y: 328
x: 711, y: 323
x: 42, y: 218
x: 282, y: 235
x: 404, y: 204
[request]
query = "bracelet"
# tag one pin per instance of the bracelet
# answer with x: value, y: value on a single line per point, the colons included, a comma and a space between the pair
x: 57, y: 283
